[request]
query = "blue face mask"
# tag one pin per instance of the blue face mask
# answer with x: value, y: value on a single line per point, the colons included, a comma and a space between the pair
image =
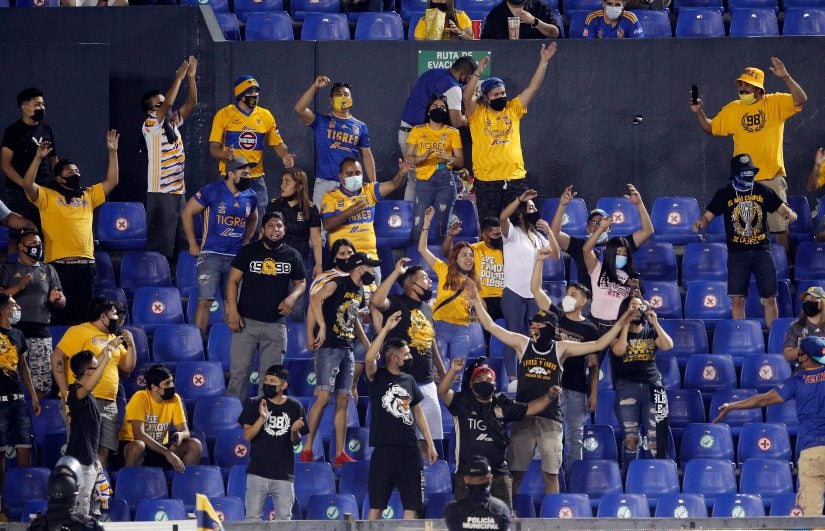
x: 620, y: 262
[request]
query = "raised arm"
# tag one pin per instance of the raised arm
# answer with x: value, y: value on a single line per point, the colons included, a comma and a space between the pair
x: 779, y: 70
x: 558, y: 218
x: 388, y: 187
x: 374, y: 350
x: 552, y: 244
x: 172, y: 92
x: 192, y: 95
x: 546, y: 53
x: 588, y: 253
x: 646, y: 231
x: 698, y: 110
x: 113, y: 172
x: 29, y: 186
x: 453, y: 231
x: 511, y: 208
x: 102, y: 359
x: 542, y: 300
x: 516, y: 341
x: 423, y: 250
x: 470, y: 88
x: 302, y: 105
x: 445, y: 386
x: 378, y: 300
x: 663, y: 342
x: 565, y: 349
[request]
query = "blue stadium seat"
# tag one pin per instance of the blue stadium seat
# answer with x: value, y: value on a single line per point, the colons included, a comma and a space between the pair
x: 393, y: 511
x: 218, y: 6
x: 669, y: 368
x: 114, y: 294
x: 780, y: 260
x: 135, y: 483
x: 566, y: 505
x: 33, y: 508
x: 379, y: 27
x: 620, y: 505
x: 57, y: 332
x: 465, y: 211
x: 142, y: 269
x: 715, y: 232
x: 331, y: 506
x: 672, y: 217
x: 300, y: 8
x: 652, y: 477
x: 764, y: 440
x: 689, y: 335
x: 437, y: 479
x: 197, y: 379
x: 52, y: 449
x: 685, y: 406
x: 186, y: 273
x: 533, y: 482
x: 476, y: 6
x: 105, y: 277
x: 231, y: 448
x: 665, y: 299
x: 214, y: 414
x: 553, y: 270
x: 22, y: 485
x: 215, y: 309
x: 523, y: 506
x: 704, y: 261
x: 50, y: 420
x: 393, y: 219
x: 412, y: 10
x: 274, y: 26
x: 753, y: 22
x: 244, y: 8
x: 800, y: 230
x: 680, y: 5
x: 700, y: 22
x: 38, y: 3
x: 229, y: 26
x: 326, y: 428
x: 325, y: 27
x: 296, y: 347
x: 174, y: 343
x: 595, y: 478
x: 136, y: 380
x: 142, y: 355
x: 776, y: 334
x: 301, y: 376
x: 353, y: 480
x: 599, y: 441
x: 732, y: 505
x: 784, y: 504
x: 804, y: 21
x: 706, y: 441
x: 766, y: 477
x: 606, y: 411
x: 236, y: 482
x: 218, y: 343
x: 435, y: 507
x: 737, y: 4
x: 743, y: 337
x: 574, y: 222
x: 122, y: 226
x: 681, y: 506
x: 269, y: 510
x: 576, y: 28
x: 357, y: 442
x: 156, y: 306
x: 582, y: 5
x: 624, y: 213
x: 312, y: 478
x: 709, y: 477
x: 784, y: 413
x: 737, y: 418
x: 755, y: 308
x: 228, y: 508
x: 415, y: 259
x: 810, y: 261
x: 656, y: 261
x: 201, y: 479
x: 710, y: 372
x: 606, y: 374
x: 555, y: 289
x: 656, y: 24
x: 764, y: 371
x: 708, y: 301
x: 155, y: 510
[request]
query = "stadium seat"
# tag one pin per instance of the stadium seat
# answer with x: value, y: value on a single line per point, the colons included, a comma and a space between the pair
x: 437, y: 479
x: 623, y: 212
x: 142, y: 269
x: 732, y: 505
x: 353, y: 480
x: 784, y: 504
x: 465, y: 211
x: 656, y: 24
x: 576, y: 29
x: 599, y: 441
x: 312, y: 478
x: 656, y: 261
x: 700, y: 22
x: 765, y: 440
x: 236, y: 482
x: 53, y: 448
x: 803, y: 21
x: 606, y: 411
x: 300, y: 8
x: 301, y: 376
x: 697, y: 4
x: 325, y: 27
x: 753, y: 22
x: 186, y: 273
x: 231, y: 448
x: 689, y: 336
x: 715, y: 232
x: 269, y: 510
x: 357, y: 442
x: 218, y: 343
x: 738, y: 418
x: 707, y: 301
x: 197, y: 379
x: 583, y: 5
x: 296, y: 347
x: 229, y: 26
x: 105, y: 276
x: 755, y: 307
x: 533, y: 482
x: 50, y: 420
x: 574, y: 221
x: 156, y: 306
x: 606, y: 374
x: 245, y: 8
x: 710, y: 372
x: 653, y: 478
x: 664, y: 298
x: 331, y: 506
x: 709, y: 477
x: 37, y: 3
x: 595, y: 478
x: 766, y: 477
x: 412, y: 10
x: 784, y: 413
x: 776, y: 334
x: 706, y: 441
x: 273, y: 26
x: 435, y: 507
x: 155, y: 510
x: 623, y: 506
x: 228, y: 508
x: 200, y: 479
x: 801, y: 230
x: 122, y: 226
x: 555, y: 289
x: 114, y: 294
x: 553, y: 270
x: 175, y: 343
x: 523, y: 506
x: 704, y: 261
x: 393, y: 511
x: 415, y: 259
x: 379, y: 27
x: 214, y: 414
x: 22, y: 485
x: 681, y: 506
x: 218, y: 6
x: 33, y: 508
x: 326, y: 428
x: 742, y: 337
x: 669, y: 369
x: 215, y: 309
x: 672, y: 217
x: 393, y: 220
x: 810, y: 261
x: 685, y: 406
x: 737, y: 4
x: 567, y: 505
x: 135, y: 483
x: 142, y: 355
x: 780, y: 260
x: 764, y: 371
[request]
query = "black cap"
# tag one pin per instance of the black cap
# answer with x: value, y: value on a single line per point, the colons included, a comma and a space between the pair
x: 359, y: 259
x: 740, y: 163
x: 543, y: 317
x: 279, y: 371
x: 479, y: 467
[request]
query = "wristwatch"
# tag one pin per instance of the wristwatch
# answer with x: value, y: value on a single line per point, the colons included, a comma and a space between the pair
x: 535, y: 22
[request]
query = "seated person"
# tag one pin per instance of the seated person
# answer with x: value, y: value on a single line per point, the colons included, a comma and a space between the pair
x: 612, y: 21
x: 454, y: 25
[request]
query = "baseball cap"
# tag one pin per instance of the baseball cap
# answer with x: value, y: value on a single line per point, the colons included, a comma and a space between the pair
x: 543, y: 317
x: 480, y: 369
x: 244, y: 84
x: 814, y: 347
x: 814, y: 291
x: 478, y: 467
x: 239, y: 162
x: 279, y: 371
x: 359, y: 259
x: 740, y: 163
x: 753, y: 76
x: 597, y: 212
x: 491, y: 83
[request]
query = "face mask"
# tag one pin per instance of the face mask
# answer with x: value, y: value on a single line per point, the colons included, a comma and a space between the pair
x: 639, y: 320
x: 250, y: 101
x: 407, y: 365
x: 484, y: 390
x: 478, y: 490
x: 620, y: 262
x: 112, y: 326
x: 498, y: 104
x: 743, y: 182
x: 532, y: 217
x: 168, y: 393
x: 72, y: 181
x: 34, y: 251
x: 426, y: 294
x: 518, y: 3
x: 568, y: 304
x: 269, y: 390
x: 367, y: 278
x: 440, y: 7
x: 340, y: 103
x: 545, y: 338
x: 353, y: 183
x: 613, y: 12
x: 273, y: 243
x: 496, y: 243
x: 747, y: 98
x: 602, y: 237
x: 810, y: 308
x: 292, y: 197
x: 15, y: 316
x: 243, y: 184
x: 341, y: 263
x: 38, y: 115
x: 439, y: 115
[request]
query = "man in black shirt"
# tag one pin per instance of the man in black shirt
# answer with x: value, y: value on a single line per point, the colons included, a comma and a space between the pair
x: 267, y: 267
x: 395, y: 403
x: 479, y: 510
x: 272, y: 423
x: 745, y: 204
x: 536, y: 17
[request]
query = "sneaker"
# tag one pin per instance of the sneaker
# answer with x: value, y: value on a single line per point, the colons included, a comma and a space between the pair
x: 342, y: 459
x: 306, y: 456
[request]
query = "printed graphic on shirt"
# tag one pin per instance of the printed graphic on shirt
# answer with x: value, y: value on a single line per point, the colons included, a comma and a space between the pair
x: 420, y: 332
x: 8, y: 355
x: 539, y: 368
x: 277, y: 425
x: 754, y: 122
x: 154, y: 429
x: 747, y: 219
x: 640, y: 350
x: 344, y: 325
x: 396, y: 402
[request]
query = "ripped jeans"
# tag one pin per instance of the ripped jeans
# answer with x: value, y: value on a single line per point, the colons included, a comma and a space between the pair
x: 635, y: 404
x: 438, y: 192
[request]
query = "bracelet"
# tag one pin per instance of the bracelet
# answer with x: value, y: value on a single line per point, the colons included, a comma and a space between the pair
x: 474, y: 74
x: 425, y: 229
x: 535, y: 22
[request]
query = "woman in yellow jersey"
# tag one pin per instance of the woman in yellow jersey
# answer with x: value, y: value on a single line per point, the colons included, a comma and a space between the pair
x: 434, y: 148
x: 457, y: 25
x: 452, y: 309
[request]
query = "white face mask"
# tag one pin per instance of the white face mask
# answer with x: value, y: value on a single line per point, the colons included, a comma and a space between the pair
x: 568, y: 304
x: 15, y: 316
x: 602, y: 237
x: 613, y: 12
x: 353, y: 183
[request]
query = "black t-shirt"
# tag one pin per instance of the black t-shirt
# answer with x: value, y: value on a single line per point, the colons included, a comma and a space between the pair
x: 574, y: 376
x: 340, y: 312
x: 12, y: 346
x: 639, y: 362
x: 416, y: 328
x: 745, y: 215
x: 392, y: 397
x: 495, y: 25
x: 84, y: 432
x: 271, y: 454
x: 266, y: 276
x: 297, y: 228
x: 574, y: 249
x: 481, y: 428
x: 477, y: 512
x: 23, y: 140
x: 537, y: 373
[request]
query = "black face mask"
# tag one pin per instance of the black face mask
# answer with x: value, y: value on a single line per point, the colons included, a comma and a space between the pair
x: 243, y: 184
x: 269, y: 390
x: 368, y: 278
x: 639, y: 320
x: 479, y: 490
x: 439, y: 115
x: 407, y: 365
x: 72, y: 182
x: 168, y: 393
x: 810, y: 308
x: 484, y: 390
x: 34, y: 252
x: 38, y: 115
x: 532, y: 217
x: 250, y: 101
x: 440, y: 7
x: 426, y: 294
x: 496, y: 243
x: 112, y: 327
x: 546, y: 337
x: 273, y: 244
x: 498, y: 104
x: 292, y: 197
x: 341, y: 263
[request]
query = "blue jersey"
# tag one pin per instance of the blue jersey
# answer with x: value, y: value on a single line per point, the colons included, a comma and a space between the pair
x: 808, y: 388
x: 596, y: 26
x: 434, y: 81
x: 224, y: 220
x: 336, y: 139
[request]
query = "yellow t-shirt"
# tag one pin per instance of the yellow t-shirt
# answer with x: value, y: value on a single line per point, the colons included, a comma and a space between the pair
x: 424, y: 137
x: 358, y: 228
x: 87, y: 336
x: 248, y: 134
x: 462, y: 20
x: 156, y: 416
x: 457, y: 311
x: 497, y: 142
x: 70, y: 222
x: 758, y: 130
x: 489, y: 264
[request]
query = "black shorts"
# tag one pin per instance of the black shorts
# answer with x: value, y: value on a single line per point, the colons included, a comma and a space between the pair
x: 396, y: 467
x: 150, y: 457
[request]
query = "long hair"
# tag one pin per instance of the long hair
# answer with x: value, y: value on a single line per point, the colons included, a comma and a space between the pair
x: 300, y: 178
x: 609, y: 261
x: 342, y: 242
x: 434, y: 98
x: 519, y: 219
x: 454, y: 275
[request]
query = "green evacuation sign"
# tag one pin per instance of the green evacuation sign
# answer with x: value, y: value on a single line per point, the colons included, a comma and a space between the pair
x: 428, y: 59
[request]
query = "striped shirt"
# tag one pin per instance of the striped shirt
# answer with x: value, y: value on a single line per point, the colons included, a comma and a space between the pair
x: 166, y: 160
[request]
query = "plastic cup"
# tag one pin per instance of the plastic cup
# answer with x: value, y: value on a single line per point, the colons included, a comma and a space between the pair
x: 513, y: 24
x: 476, y: 29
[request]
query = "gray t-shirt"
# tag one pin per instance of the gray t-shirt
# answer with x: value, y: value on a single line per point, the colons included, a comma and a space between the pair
x: 797, y: 333
x: 34, y: 299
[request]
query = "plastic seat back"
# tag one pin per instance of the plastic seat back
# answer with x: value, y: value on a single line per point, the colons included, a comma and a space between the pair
x: 174, y: 343
x: 804, y: 20
x: 810, y: 261
x: 141, y: 269
x: 595, y: 478
x: 122, y: 226
x: 623, y: 212
x: 710, y: 372
x: 736, y: 418
x: 140, y: 482
x: 196, y: 379
x: 753, y: 22
x: 331, y: 506
x: 623, y: 506
x: 274, y: 26
x: 160, y: 509
x: 681, y: 506
x: 685, y: 406
x: 656, y: 24
x: 228, y: 508
x: 672, y: 217
x: 197, y: 479
x: 700, y: 23
x: 22, y: 485
x: 568, y: 505
x: 325, y: 27
x: 379, y: 27
x: 156, y: 306
x: 707, y: 301
x: 665, y: 299
x: 763, y: 372
x: 231, y: 448
x: 244, y: 8
x: 732, y: 505
x: 766, y: 477
x: 653, y: 478
x: 213, y: 414
x: 706, y: 441
x: 656, y: 261
x: 599, y: 442
x: 393, y: 220
x: 704, y: 261
x: 710, y: 477
x: 574, y: 220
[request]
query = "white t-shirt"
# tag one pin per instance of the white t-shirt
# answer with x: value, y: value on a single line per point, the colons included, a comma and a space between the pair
x: 519, y: 257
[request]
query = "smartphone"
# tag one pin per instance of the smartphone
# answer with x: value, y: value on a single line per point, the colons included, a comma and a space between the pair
x: 694, y: 94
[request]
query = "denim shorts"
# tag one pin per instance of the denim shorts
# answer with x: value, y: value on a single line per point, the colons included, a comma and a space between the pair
x: 213, y: 272
x: 740, y: 267
x: 15, y: 425
x: 334, y: 370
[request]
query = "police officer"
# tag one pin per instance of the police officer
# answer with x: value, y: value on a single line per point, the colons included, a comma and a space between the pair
x: 63, y: 486
x: 480, y: 510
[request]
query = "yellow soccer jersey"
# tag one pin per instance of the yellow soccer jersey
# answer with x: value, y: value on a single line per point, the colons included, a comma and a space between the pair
x: 358, y: 228
x: 423, y: 137
x: 497, y: 142
x: 248, y: 134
